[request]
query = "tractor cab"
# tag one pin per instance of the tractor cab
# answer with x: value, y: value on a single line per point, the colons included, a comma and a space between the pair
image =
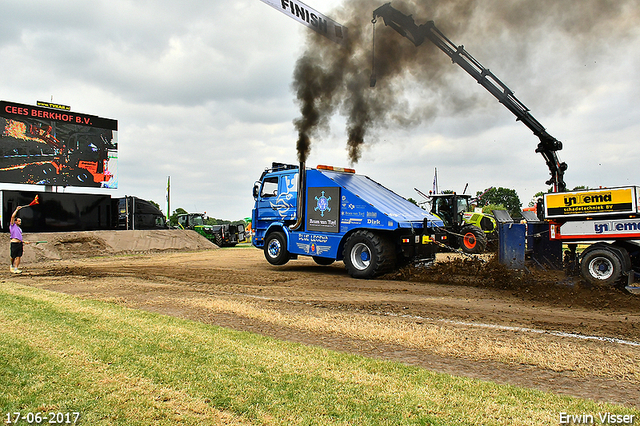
x: 471, y: 230
x: 450, y: 208
x: 191, y: 220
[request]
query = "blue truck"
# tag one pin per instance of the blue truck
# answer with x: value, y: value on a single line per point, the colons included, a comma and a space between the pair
x: 334, y: 214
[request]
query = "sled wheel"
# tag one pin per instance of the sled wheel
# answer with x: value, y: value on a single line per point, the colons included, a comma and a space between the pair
x: 601, y: 266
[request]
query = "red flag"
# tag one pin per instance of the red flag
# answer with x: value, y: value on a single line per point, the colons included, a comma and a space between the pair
x: 34, y: 202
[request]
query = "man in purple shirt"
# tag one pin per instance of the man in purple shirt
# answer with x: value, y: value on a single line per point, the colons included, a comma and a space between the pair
x: 15, y: 233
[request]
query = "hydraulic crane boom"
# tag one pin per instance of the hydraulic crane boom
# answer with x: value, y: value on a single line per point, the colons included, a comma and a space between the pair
x: 405, y: 25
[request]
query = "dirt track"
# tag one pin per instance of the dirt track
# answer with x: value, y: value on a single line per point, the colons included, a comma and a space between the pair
x: 483, y: 327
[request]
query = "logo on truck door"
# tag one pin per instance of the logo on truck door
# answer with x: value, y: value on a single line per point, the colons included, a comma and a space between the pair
x: 322, y: 204
x: 322, y: 214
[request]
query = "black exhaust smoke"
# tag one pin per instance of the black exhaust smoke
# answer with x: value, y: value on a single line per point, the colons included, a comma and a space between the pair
x: 414, y: 84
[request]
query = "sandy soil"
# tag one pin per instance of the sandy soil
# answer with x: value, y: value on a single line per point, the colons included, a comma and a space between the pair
x: 460, y: 317
x: 63, y: 245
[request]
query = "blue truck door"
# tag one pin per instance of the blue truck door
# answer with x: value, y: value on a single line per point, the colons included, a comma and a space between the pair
x: 277, y: 199
x: 266, y: 197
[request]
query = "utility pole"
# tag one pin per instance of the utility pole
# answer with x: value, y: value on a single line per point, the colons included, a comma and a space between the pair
x: 168, y: 197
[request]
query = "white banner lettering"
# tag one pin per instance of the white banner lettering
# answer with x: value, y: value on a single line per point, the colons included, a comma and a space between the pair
x: 311, y: 18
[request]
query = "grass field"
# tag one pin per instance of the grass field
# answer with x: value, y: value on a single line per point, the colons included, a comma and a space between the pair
x: 114, y: 365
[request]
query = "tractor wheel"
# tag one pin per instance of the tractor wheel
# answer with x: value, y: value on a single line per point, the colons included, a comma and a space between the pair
x: 218, y: 239
x: 367, y: 254
x: 473, y: 240
x: 324, y: 261
x: 275, y: 248
x: 601, y: 266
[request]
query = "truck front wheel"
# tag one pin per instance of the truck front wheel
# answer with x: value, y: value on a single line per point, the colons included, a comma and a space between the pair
x: 601, y: 266
x: 275, y: 248
x: 367, y: 254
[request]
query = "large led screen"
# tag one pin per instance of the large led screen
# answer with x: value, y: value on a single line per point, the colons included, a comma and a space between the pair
x: 55, y: 147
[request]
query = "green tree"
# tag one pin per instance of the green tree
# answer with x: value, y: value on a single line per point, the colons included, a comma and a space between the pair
x: 501, y: 196
x: 489, y: 208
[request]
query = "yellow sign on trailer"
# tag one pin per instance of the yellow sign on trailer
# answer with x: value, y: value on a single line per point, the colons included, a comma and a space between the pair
x: 591, y: 202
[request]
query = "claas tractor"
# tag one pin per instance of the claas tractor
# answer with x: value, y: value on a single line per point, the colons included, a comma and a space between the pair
x: 467, y: 230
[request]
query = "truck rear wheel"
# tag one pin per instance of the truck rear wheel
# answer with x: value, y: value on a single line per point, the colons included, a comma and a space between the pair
x: 473, y: 240
x: 367, y: 254
x: 601, y: 266
x: 275, y: 248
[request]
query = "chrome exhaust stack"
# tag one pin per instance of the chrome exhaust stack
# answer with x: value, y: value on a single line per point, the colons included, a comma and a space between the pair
x: 302, y: 185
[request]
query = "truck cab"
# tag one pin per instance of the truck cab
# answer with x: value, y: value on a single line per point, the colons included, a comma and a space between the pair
x: 332, y: 213
x: 191, y: 220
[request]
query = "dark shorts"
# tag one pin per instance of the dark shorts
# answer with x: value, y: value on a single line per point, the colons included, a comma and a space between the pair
x: 16, y: 250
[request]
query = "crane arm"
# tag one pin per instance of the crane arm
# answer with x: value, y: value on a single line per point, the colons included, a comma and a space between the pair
x: 548, y: 146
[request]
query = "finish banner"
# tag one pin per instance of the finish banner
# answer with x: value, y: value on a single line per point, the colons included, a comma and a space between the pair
x: 311, y: 18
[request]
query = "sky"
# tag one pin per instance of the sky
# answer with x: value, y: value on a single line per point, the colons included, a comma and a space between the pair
x: 203, y: 92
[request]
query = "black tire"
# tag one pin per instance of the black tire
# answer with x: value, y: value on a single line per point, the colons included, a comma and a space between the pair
x: 601, y: 266
x: 324, y: 261
x: 473, y: 240
x: 275, y: 248
x: 218, y: 239
x: 367, y: 254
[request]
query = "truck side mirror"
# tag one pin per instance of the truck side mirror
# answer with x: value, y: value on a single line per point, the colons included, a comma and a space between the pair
x: 256, y: 190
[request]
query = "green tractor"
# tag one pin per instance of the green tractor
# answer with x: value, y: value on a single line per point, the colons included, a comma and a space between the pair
x: 227, y: 235
x: 470, y: 231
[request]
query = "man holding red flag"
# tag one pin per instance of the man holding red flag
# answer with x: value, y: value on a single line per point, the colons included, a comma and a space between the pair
x: 15, y: 233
